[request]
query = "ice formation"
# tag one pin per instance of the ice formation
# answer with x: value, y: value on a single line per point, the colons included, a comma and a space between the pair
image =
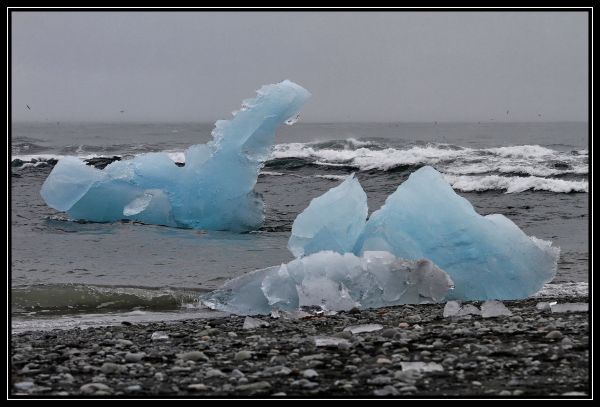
x: 332, y: 281
x: 492, y: 309
x: 214, y: 190
x: 331, y: 341
x: 487, y: 257
x: 456, y: 309
x: 359, y: 329
x: 565, y: 307
x: 320, y: 228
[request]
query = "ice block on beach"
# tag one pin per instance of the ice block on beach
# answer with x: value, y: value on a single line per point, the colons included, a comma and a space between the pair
x: 334, y: 282
x: 214, y: 190
x: 487, y: 257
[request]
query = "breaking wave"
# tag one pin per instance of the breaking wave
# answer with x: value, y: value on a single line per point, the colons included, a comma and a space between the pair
x: 526, y: 159
x: 74, y: 298
x: 468, y: 183
x: 510, y: 168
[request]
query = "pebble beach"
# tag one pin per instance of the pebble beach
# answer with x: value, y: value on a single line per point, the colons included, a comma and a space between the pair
x: 409, y: 351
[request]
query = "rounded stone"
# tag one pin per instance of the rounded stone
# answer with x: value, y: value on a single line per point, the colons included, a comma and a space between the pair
x: 308, y: 373
x: 242, y: 355
x: 554, y: 335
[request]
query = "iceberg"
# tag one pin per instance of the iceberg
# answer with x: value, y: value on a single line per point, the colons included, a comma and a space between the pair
x: 213, y: 190
x: 319, y: 228
x: 333, y: 282
x: 487, y: 257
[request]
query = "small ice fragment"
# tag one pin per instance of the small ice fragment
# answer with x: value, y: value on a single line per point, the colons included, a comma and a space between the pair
x: 468, y: 309
x: 421, y: 367
x: 331, y: 341
x: 543, y: 306
x: 358, y: 329
x: 451, y: 308
x: 253, y: 323
x: 492, y: 309
x: 455, y: 309
x: 159, y: 336
x: 570, y: 307
x: 291, y: 315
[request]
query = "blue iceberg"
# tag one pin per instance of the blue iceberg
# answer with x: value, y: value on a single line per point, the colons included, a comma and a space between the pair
x: 487, y: 257
x: 319, y: 227
x: 214, y: 190
x: 334, y: 282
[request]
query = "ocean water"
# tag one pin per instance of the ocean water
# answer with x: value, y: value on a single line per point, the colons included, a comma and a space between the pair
x: 66, y: 273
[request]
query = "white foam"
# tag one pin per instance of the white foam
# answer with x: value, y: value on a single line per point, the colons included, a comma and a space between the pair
x: 272, y: 173
x: 360, y: 143
x: 467, y: 169
x: 469, y: 183
x: 513, y: 168
x: 332, y: 177
x: 527, y: 159
x: 525, y: 151
x: 41, y: 157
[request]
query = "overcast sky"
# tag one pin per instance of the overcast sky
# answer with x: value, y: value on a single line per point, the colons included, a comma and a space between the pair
x: 389, y: 66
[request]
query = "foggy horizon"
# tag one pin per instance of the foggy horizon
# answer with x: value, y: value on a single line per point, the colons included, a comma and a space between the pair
x: 384, y: 67
x: 300, y: 121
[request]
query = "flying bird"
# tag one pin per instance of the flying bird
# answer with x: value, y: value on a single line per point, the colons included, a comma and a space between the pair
x: 28, y: 107
x: 122, y: 111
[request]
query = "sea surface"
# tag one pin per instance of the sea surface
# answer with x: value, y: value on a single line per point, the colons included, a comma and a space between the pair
x: 66, y: 274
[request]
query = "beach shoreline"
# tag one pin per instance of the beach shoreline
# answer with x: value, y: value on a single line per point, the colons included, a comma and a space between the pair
x: 533, y: 353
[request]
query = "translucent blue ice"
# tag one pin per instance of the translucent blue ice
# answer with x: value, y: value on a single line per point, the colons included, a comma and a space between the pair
x: 487, y: 257
x: 333, y: 221
x: 333, y: 281
x: 214, y: 190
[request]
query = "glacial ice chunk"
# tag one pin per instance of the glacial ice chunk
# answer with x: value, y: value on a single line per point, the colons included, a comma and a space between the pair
x: 331, y: 341
x: 333, y: 281
x: 493, y: 309
x: 487, y: 257
x: 159, y: 336
x: 253, y: 323
x: 555, y: 307
x: 456, y: 309
x: 213, y: 190
x: 359, y: 329
x: 333, y: 221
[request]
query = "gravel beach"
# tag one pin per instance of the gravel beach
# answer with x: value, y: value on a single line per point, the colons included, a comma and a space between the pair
x: 415, y: 352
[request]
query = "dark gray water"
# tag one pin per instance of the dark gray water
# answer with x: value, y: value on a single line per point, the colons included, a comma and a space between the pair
x: 63, y: 268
